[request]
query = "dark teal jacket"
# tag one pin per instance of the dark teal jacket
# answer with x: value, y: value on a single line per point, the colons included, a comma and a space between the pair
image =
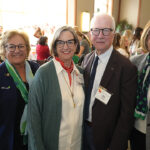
x: 44, y: 109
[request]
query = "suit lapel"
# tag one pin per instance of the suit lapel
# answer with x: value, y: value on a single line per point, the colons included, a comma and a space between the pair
x: 90, y: 63
x: 110, y: 68
x: 88, y: 68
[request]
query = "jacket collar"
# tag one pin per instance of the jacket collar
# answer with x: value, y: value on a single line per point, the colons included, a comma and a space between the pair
x: 110, y: 68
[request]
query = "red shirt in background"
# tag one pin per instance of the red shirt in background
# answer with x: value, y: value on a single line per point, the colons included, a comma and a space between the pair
x: 42, y: 52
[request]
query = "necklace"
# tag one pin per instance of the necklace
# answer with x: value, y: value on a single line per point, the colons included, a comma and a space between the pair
x: 70, y: 89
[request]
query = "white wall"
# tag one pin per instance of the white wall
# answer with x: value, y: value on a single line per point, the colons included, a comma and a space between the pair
x: 84, y: 5
x: 129, y: 11
x: 145, y: 12
x: 115, y: 9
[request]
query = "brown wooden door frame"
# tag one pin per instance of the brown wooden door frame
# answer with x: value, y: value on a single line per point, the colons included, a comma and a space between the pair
x: 139, y: 12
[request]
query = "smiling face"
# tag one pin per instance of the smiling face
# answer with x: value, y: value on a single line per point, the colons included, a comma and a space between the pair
x: 65, y: 52
x: 19, y: 55
x: 101, y: 42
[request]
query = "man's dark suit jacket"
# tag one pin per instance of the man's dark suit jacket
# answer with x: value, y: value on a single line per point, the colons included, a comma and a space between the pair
x: 112, y: 123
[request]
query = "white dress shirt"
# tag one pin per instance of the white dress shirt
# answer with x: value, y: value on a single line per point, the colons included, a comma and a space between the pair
x: 72, y: 108
x: 102, y: 63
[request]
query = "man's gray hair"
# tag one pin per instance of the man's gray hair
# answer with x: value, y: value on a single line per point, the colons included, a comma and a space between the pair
x: 101, y: 14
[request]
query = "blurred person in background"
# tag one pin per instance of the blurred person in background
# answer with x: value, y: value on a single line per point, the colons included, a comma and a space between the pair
x: 1, y: 60
x: 140, y: 138
x: 56, y: 98
x: 75, y: 57
x: 38, y: 32
x: 85, y: 44
x: 128, y: 34
x: 116, y: 45
x: 135, y: 43
x: 16, y: 74
x: 1, y: 31
x: 42, y: 49
x: 124, y: 44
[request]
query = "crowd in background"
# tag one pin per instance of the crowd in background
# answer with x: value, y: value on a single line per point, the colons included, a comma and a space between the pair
x: 68, y: 70
x: 127, y: 43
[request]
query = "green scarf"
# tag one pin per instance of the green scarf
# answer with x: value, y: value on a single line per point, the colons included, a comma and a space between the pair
x: 142, y: 90
x: 23, y: 90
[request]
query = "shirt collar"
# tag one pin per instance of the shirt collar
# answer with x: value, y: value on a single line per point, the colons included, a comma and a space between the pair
x: 59, y: 68
x: 104, y: 57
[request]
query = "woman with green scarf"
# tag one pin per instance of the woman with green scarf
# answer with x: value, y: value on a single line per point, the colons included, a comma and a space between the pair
x: 16, y: 74
x: 140, y: 138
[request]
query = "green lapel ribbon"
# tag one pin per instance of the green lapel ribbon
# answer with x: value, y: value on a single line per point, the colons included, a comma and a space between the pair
x: 18, y: 82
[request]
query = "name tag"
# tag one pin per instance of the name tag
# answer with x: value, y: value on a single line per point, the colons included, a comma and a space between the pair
x: 103, y: 95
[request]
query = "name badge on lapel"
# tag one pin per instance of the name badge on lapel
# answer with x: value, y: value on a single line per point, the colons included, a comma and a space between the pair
x: 103, y: 95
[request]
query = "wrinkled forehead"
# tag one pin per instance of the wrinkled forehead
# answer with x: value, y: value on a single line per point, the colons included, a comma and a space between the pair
x: 101, y: 22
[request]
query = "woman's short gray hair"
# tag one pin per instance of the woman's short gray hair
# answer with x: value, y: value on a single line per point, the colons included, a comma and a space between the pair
x: 57, y: 35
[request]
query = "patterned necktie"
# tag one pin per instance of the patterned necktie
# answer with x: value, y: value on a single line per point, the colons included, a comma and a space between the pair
x: 89, y: 91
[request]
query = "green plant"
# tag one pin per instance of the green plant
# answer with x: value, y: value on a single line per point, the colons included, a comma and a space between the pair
x: 122, y: 26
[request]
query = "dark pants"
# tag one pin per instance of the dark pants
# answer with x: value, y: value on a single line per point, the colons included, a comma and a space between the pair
x: 88, y: 138
x: 138, y: 140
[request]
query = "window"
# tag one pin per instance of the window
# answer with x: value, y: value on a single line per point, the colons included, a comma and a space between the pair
x: 20, y: 13
x: 103, y: 6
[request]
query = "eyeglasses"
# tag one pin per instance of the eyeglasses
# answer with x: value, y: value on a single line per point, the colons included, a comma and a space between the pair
x: 105, y: 31
x: 69, y: 43
x: 12, y: 47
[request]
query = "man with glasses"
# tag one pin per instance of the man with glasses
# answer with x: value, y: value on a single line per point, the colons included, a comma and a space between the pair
x: 110, y: 86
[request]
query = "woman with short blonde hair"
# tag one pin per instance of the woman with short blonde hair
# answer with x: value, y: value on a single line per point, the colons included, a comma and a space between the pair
x: 16, y: 74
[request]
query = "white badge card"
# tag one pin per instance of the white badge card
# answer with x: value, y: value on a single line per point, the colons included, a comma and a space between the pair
x: 103, y: 95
